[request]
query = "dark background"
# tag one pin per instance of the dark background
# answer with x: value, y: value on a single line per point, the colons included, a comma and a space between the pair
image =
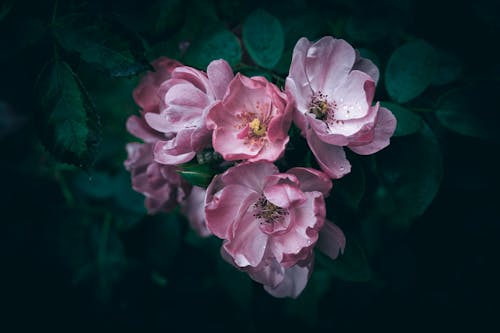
x: 439, y: 273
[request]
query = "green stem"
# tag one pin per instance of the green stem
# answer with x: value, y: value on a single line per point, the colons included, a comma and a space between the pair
x: 54, y: 11
x: 66, y: 192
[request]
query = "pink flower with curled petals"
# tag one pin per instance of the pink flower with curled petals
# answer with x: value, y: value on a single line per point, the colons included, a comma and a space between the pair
x: 185, y: 100
x: 146, y: 94
x: 278, y: 280
x: 264, y: 215
x: 252, y: 121
x: 162, y: 186
x: 333, y: 88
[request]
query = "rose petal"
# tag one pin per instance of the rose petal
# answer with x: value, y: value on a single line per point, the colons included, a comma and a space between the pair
x: 226, y: 206
x: 312, y: 180
x: 248, y: 243
x: 219, y: 75
x: 328, y: 62
x: 331, y: 240
x: 384, y: 129
x: 294, y: 281
x: 367, y: 66
x: 252, y: 175
x: 330, y: 158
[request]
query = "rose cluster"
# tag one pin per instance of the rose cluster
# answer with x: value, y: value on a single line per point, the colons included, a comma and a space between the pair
x: 270, y: 220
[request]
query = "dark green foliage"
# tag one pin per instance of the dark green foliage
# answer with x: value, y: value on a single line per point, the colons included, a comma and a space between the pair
x: 420, y: 217
x: 410, y: 70
x: 471, y: 110
x: 215, y: 43
x: 197, y: 174
x: 68, y: 122
x: 411, y: 171
x: 408, y: 122
x: 263, y: 38
x: 352, y: 265
x: 108, y: 47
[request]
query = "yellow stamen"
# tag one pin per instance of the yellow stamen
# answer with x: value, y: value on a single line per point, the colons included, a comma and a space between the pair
x: 257, y: 128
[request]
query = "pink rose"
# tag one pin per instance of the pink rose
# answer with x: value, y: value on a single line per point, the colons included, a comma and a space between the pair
x: 264, y: 215
x: 163, y: 187
x: 281, y: 281
x: 185, y: 100
x: 146, y: 94
x: 278, y: 280
x: 252, y: 121
x: 333, y: 88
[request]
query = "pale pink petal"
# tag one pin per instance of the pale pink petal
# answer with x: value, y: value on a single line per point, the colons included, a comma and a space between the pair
x: 384, y: 129
x: 367, y: 66
x: 226, y: 206
x: 187, y: 95
x: 280, y: 124
x: 331, y: 240
x: 328, y: 62
x: 139, y: 155
x: 193, y: 208
x: 196, y: 77
x: 269, y: 273
x: 297, y: 83
x: 312, y: 180
x: 251, y: 175
x: 248, y: 244
x: 330, y: 158
x: 219, y: 75
x: 146, y: 93
x: 284, y: 195
x: 138, y: 127
x: 354, y: 96
x: 164, y: 154
x: 271, y: 151
x: 307, y: 217
x: 218, y: 117
x: 294, y: 281
x: 228, y: 143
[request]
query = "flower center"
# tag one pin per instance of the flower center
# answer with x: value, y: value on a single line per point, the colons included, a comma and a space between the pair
x: 257, y: 127
x: 268, y: 211
x: 321, y: 108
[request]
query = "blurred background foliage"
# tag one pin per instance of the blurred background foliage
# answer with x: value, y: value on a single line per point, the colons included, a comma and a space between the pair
x: 421, y: 217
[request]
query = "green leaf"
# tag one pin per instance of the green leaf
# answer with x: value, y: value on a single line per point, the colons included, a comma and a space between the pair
x: 214, y: 43
x: 448, y: 69
x: 108, y: 47
x: 410, y: 70
x: 411, y: 171
x: 263, y: 38
x: 68, y: 123
x: 97, y: 185
x: 408, y: 122
x: 471, y: 110
x: 351, y: 266
x: 197, y: 174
